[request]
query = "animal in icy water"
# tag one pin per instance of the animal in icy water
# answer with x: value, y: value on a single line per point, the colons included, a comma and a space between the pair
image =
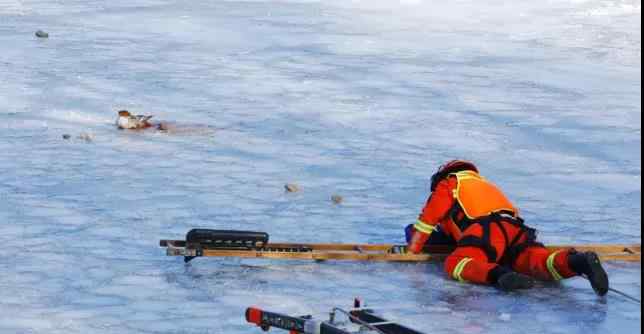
x: 126, y: 120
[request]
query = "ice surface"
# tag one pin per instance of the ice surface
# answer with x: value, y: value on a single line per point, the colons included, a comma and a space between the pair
x: 358, y: 98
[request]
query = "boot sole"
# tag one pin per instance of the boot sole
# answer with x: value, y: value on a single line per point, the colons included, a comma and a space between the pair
x: 598, y: 277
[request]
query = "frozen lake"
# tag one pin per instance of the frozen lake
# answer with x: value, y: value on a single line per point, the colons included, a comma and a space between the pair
x: 358, y: 98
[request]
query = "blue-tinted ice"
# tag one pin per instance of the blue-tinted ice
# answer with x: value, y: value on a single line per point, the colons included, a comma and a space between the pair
x: 358, y: 98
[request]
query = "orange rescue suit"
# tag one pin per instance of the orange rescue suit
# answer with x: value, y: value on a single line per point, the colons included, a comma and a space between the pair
x: 464, y: 198
x: 474, y: 196
x: 479, y: 198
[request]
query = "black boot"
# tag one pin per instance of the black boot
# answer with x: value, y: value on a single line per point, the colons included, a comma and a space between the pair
x: 507, y: 279
x: 589, y: 265
x: 514, y: 281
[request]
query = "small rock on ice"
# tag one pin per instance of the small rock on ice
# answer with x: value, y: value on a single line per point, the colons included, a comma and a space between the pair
x: 88, y: 137
x: 42, y: 34
x: 291, y: 187
x: 337, y: 199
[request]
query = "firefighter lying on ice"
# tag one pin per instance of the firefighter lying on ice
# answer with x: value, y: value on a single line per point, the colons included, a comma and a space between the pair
x: 494, y: 246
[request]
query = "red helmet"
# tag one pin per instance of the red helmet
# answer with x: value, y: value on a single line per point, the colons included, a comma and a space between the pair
x: 453, y: 166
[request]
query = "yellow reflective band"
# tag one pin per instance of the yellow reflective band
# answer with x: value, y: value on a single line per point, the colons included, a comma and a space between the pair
x: 468, y: 175
x: 551, y: 266
x: 425, y: 228
x: 464, y: 175
x: 458, y: 271
x: 460, y: 176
